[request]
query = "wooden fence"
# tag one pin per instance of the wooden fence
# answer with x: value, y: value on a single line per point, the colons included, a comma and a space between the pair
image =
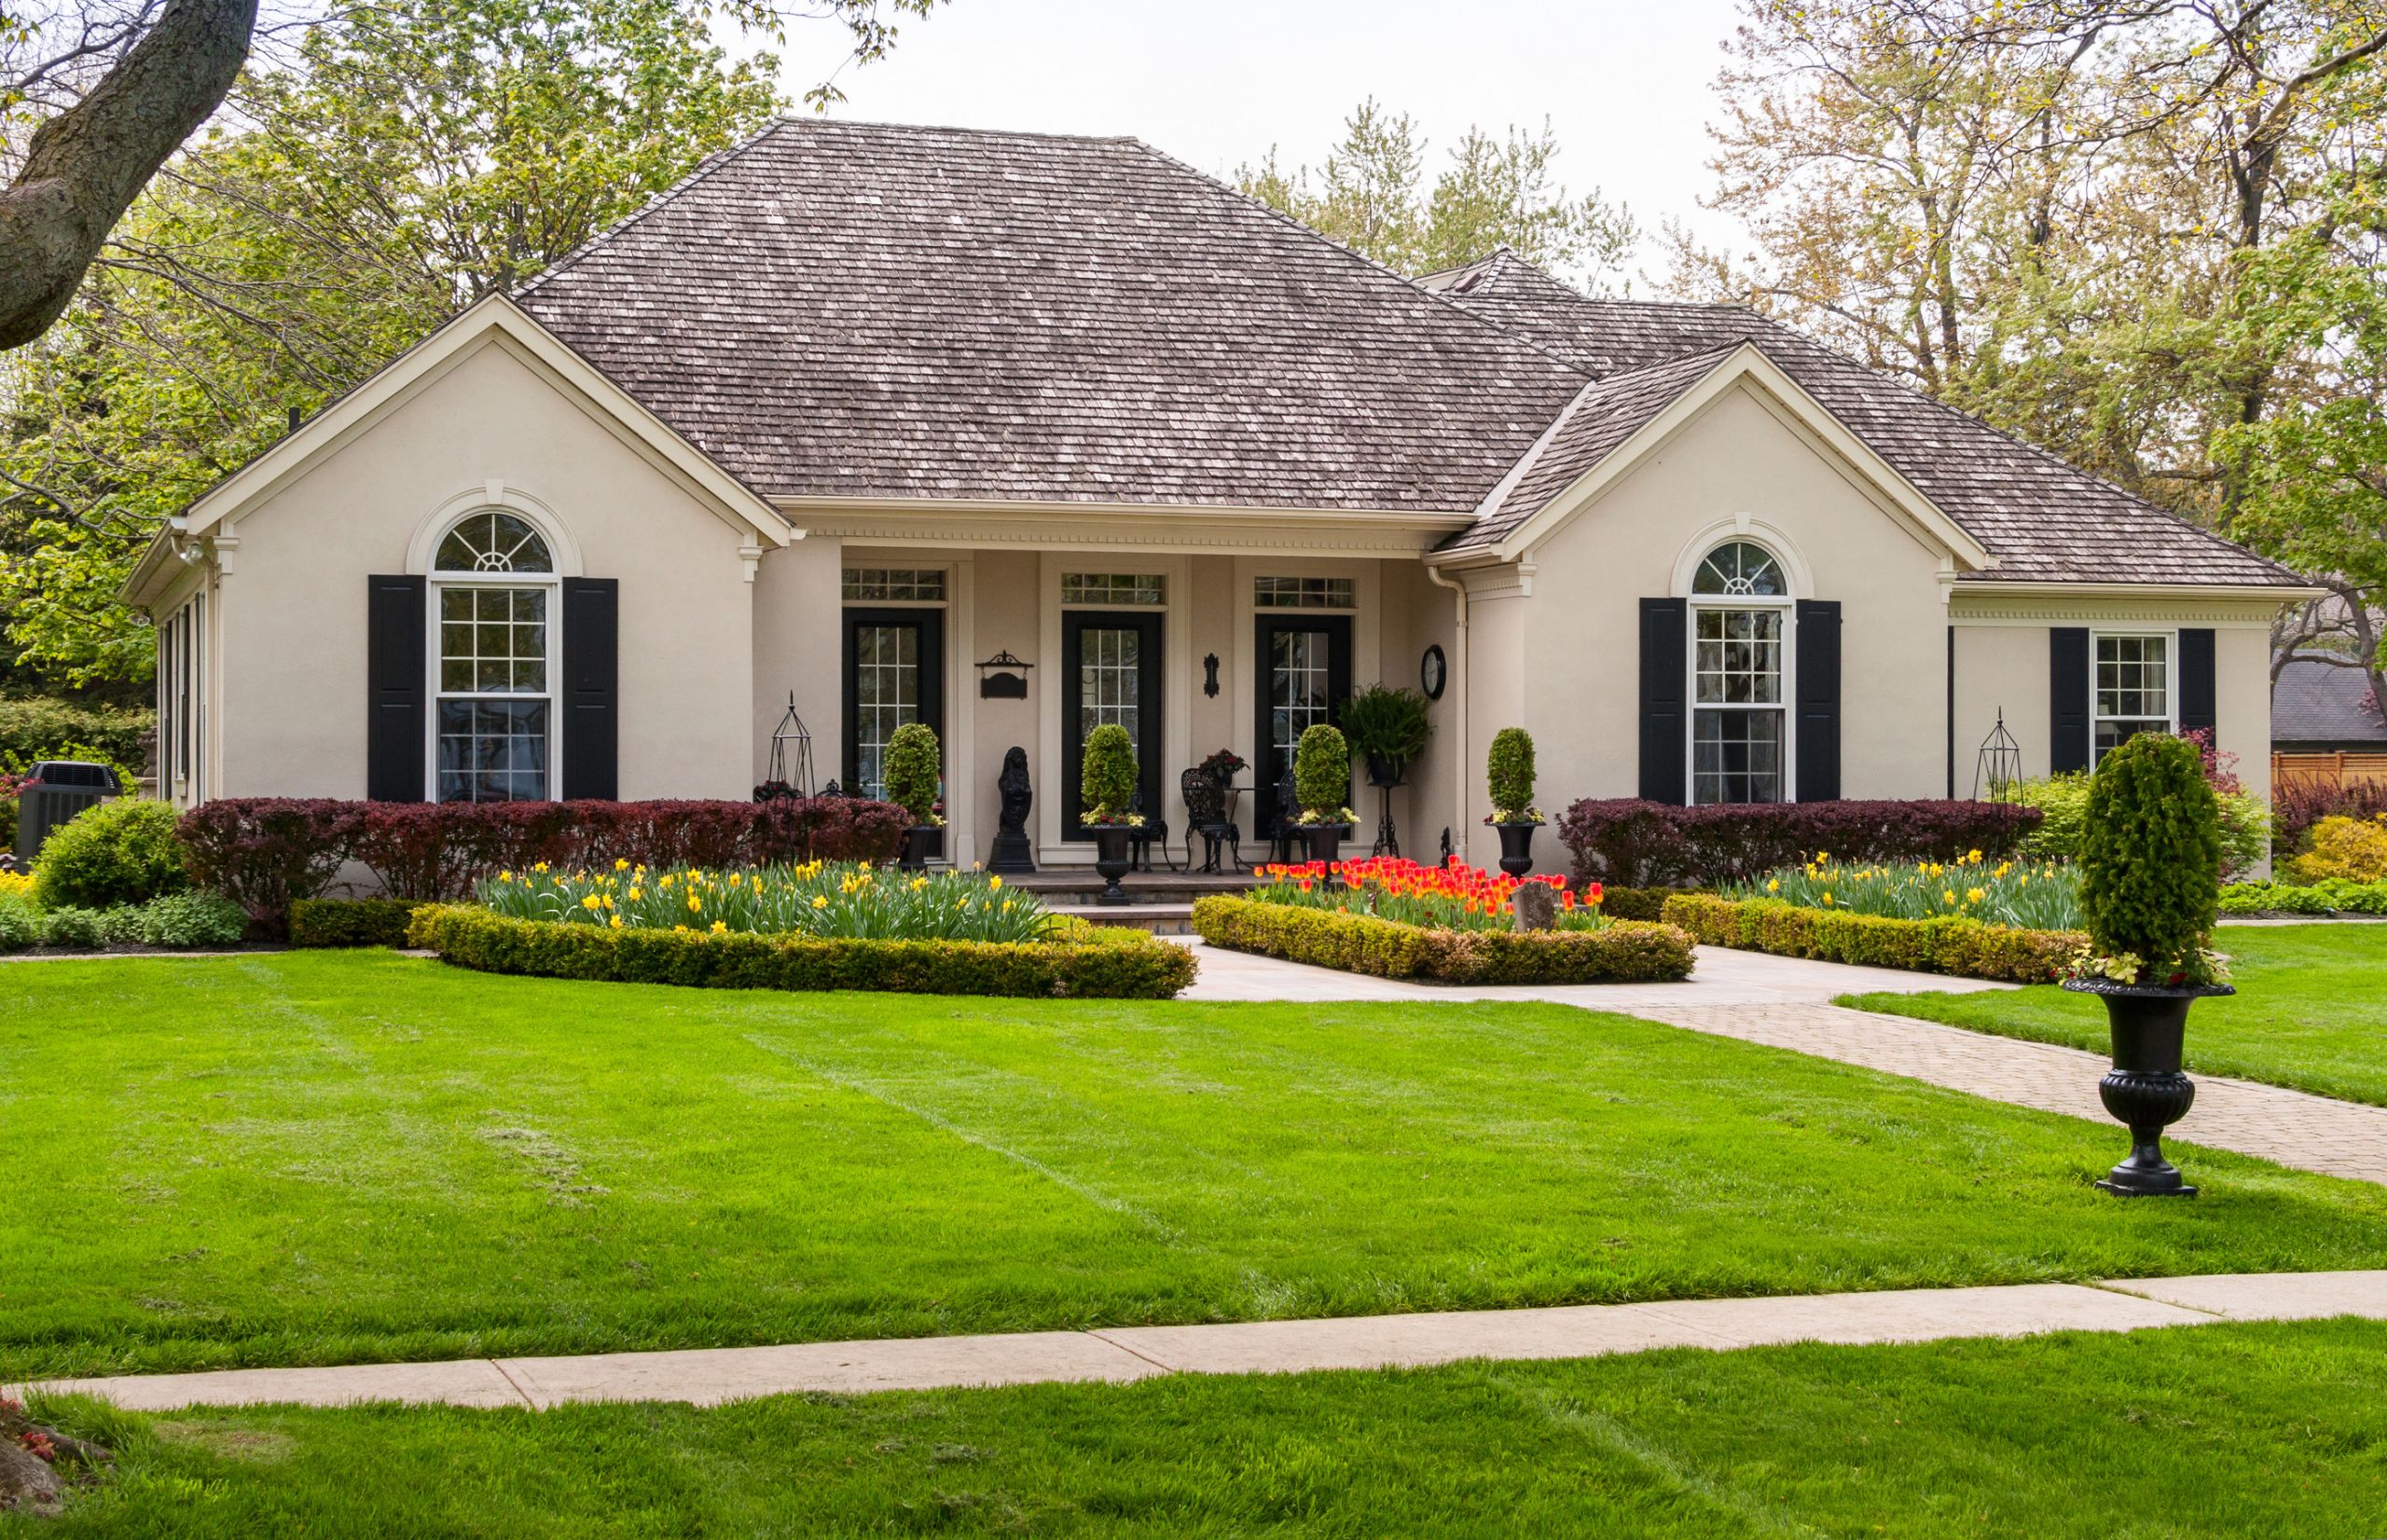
x: 2339, y: 769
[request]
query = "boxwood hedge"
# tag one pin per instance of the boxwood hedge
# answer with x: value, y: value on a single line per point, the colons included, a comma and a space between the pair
x: 1621, y: 953
x: 1966, y: 948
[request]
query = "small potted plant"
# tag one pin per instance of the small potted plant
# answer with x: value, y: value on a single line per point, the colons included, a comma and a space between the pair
x: 1222, y: 766
x: 914, y: 770
x: 1387, y: 727
x: 1509, y: 775
x: 2150, y: 882
x: 1321, y: 780
x: 1107, y: 785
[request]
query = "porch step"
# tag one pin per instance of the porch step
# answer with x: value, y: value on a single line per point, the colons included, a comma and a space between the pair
x: 1161, y: 919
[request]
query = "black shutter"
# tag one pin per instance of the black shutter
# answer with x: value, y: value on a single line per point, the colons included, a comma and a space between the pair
x: 2196, y: 681
x: 591, y: 710
x: 1818, y: 643
x: 2067, y: 698
x: 395, y: 740
x: 1665, y: 668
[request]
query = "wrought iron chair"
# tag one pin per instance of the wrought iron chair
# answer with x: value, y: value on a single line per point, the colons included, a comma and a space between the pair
x: 1206, y: 814
x: 1286, y: 837
x: 1141, y: 840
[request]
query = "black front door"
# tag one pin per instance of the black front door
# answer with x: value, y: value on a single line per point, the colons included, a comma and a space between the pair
x: 894, y: 675
x: 1304, y: 678
x: 1109, y: 673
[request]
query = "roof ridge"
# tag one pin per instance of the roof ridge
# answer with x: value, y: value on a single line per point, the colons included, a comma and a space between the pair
x: 605, y: 237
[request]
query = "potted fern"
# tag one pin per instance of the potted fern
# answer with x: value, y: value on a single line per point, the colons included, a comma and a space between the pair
x: 1321, y: 780
x: 1509, y: 775
x: 1387, y: 728
x: 2150, y: 882
x: 914, y: 771
x: 1106, y: 772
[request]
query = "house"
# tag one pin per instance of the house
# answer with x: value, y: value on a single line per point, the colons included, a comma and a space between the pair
x: 854, y: 409
x: 2321, y: 705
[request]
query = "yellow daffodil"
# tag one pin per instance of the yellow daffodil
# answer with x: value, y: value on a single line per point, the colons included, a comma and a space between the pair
x: 589, y: 903
x: 721, y: 927
x: 1949, y: 896
x: 819, y: 900
x: 622, y: 865
x: 696, y: 904
x: 1827, y: 897
x: 635, y: 895
x: 1773, y: 885
x: 993, y: 884
x: 1974, y: 895
x: 616, y: 922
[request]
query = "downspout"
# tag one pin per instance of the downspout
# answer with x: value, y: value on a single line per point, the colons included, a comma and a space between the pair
x: 1458, y: 671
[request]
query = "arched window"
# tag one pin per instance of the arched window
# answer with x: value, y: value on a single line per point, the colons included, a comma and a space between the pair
x: 492, y: 596
x: 1741, y: 616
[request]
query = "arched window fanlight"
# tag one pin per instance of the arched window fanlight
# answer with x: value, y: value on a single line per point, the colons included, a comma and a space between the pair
x: 494, y: 541
x: 1742, y: 570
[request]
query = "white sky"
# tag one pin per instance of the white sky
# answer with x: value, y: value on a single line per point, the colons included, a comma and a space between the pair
x: 1627, y: 86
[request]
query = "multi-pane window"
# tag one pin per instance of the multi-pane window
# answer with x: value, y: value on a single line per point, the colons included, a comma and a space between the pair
x: 1302, y: 593
x: 2131, y: 690
x: 1113, y: 588
x: 492, y: 718
x: 895, y: 584
x: 1110, y: 681
x: 1738, y: 724
x: 1300, y: 687
x: 887, y: 695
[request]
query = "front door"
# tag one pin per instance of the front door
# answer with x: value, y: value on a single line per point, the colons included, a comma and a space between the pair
x: 894, y: 675
x: 1109, y: 673
x: 1305, y: 676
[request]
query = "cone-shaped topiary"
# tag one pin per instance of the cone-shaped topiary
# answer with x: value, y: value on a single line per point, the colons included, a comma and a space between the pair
x: 2150, y: 859
x: 1107, y: 773
x: 1509, y: 775
x: 1322, y: 773
x: 914, y: 769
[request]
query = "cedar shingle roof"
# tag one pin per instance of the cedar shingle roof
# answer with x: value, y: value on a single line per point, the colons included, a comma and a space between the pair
x: 857, y: 311
x: 2043, y: 519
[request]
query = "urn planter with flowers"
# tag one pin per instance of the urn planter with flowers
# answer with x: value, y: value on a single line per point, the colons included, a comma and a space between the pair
x: 1509, y: 775
x: 2150, y: 882
x: 1321, y: 782
x: 1107, y: 776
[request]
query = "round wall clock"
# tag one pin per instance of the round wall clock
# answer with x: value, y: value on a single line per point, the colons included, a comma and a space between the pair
x: 1433, y: 672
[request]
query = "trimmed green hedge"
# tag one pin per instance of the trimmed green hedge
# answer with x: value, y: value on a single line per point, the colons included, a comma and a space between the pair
x: 1624, y: 951
x: 351, y: 922
x: 1638, y: 904
x: 1090, y: 962
x: 2333, y: 895
x: 1963, y: 947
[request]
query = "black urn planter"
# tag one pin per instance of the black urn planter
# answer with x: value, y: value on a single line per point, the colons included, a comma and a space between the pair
x: 920, y: 842
x: 1516, y: 847
x: 1325, y: 840
x: 1384, y: 773
x: 1111, y: 859
x: 2145, y: 1090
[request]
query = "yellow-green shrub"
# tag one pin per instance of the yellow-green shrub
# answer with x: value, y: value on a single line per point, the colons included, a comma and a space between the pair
x: 1951, y: 944
x: 2347, y: 849
x: 1623, y: 952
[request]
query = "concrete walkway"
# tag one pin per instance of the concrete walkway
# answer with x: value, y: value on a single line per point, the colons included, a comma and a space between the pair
x: 1784, y: 1002
x: 1118, y: 1354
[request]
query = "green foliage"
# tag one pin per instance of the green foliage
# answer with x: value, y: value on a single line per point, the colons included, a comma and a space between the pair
x: 36, y: 728
x: 2352, y: 849
x: 1083, y: 961
x: 1384, y: 722
x: 2150, y: 856
x: 1322, y: 773
x: 19, y: 927
x: 1638, y: 903
x: 1619, y: 953
x: 116, y: 853
x: 2043, y: 896
x: 185, y: 922
x: 915, y: 769
x: 840, y: 899
x: 1106, y: 772
x: 351, y: 922
x: 1509, y: 774
x: 73, y: 929
x: 2330, y: 896
x: 1965, y: 948
x: 1369, y: 196
x: 2245, y: 822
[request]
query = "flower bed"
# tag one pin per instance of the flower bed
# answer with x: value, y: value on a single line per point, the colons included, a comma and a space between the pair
x: 2026, y: 895
x: 1649, y: 844
x: 1456, y: 896
x: 844, y: 900
x: 1620, y: 952
x: 1075, y: 960
x: 1951, y: 943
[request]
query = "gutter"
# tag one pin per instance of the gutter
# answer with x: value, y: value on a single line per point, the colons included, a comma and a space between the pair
x: 1458, y: 665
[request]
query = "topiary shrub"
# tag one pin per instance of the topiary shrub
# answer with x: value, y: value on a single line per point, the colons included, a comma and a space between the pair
x: 1322, y: 773
x: 1107, y: 773
x: 119, y: 852
x: 915, y: 767
x: 1509, y: 775
x: 2150, y: 863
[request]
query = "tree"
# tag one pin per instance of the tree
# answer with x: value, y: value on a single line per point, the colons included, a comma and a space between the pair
x: 403, y: 164
x: 111, y: 87
x: 1496, y: 192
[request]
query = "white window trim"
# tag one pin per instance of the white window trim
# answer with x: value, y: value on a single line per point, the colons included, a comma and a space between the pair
x: 438, y: 581
x: 1788, y: 604
x: 2170, y: 636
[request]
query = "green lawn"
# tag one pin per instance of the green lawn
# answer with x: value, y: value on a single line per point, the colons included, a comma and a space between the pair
x: 2198, y: 1431
x: 322, y: 1158
x: 2310, y: 1011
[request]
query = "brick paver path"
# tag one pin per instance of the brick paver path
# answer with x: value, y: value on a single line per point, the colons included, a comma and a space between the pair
x: 2291, y: 1127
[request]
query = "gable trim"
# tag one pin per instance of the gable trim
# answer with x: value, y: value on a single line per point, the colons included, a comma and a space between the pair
x: 1746, y: 363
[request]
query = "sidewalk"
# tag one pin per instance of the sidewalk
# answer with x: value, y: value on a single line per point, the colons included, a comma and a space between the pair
x: 708, y: 1377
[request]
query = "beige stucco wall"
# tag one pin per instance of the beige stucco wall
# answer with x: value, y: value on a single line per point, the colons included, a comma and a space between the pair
x: 290, y: 714
x: 797, y: 650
